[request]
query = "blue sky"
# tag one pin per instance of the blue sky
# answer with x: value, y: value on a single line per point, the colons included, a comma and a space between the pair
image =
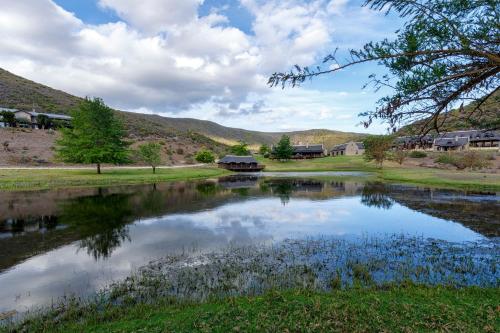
x: 204, y: 59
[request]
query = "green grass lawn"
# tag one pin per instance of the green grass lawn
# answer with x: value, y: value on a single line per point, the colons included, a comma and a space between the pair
x: 341, y: 163
x: 58, y: 178
x: 393, y: 309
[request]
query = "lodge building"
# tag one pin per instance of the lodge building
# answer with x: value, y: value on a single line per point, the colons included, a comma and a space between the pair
x: 240, y: 163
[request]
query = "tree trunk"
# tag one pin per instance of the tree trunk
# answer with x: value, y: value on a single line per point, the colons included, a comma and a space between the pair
x: 99, y: 168
x: 154, y: 169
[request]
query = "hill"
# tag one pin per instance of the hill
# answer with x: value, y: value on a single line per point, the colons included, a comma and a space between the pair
x: 20, y: 93
x: 461, y: 118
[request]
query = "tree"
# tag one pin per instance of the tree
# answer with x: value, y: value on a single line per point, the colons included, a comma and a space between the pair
x: 43, y: 121
x: 96, y: 136
x: 447, y: 53
x: 376, y: 147
x: 241, y: 149
x: 400, y: 155
x: 283, y: 150
x: 150, y: 154
x: 9, y: 118
x: 205, y: 156
x: 264, y: 149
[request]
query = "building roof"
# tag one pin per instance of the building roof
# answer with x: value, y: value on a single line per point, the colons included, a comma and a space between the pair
x: 237, y: 159
x: 451, y: 142
x: 314, y: 148
x: 7, y: 109
x: 343, y: 146
x: 51, y: 115
x: 339, y: 147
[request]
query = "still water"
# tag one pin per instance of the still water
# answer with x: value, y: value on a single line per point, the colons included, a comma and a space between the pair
x: 77, y: 241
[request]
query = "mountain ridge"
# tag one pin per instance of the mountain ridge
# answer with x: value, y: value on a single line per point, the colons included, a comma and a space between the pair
x: 20, y: 93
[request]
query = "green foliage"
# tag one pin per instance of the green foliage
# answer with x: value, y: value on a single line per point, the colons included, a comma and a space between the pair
x: 283, y: 150
x: 417, y: 154
x: 470, y: 159
x: 43, y: 121
x: 8, y: 118
x: 205, y: 156
x: 377, y: 147
x: 264, y: 149
x: 446, y: 53
x: 399, y: 156
x: 96, y: 136
x: 150, y: 153
x: 240, y: 149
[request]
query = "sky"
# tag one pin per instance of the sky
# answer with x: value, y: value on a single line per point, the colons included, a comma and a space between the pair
x: 205, y: 59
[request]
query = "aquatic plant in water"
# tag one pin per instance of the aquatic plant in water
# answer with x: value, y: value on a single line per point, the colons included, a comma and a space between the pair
x: 319, y: 264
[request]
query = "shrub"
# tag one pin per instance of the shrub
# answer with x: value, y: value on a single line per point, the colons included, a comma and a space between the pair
x: 447, y: 159
x: 205, y: 156
x: 399, y: 156
x: 474, y: 160
x: 417, y: 154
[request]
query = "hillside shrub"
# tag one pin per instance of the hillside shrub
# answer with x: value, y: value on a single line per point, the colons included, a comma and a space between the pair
x: 417, y: 154
x: 474, y: 160
x: 448, y: 158
x: 205, y: 156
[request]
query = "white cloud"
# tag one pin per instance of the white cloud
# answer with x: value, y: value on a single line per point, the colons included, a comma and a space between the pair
x: 154, y: 15
x: 162, y: 57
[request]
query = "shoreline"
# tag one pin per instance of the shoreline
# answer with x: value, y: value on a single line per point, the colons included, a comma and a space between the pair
x: 43, y: 178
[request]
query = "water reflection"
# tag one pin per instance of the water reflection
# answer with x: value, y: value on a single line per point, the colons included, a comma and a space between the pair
x: 77, y: 240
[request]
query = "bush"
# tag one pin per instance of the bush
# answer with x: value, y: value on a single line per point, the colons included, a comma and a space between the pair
x: 474, y: 160
x: 417, y: 154
x: 205, y: 156
x: 470, y: 159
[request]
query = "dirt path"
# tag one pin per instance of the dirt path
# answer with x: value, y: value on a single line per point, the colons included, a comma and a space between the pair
x: 103, y: 167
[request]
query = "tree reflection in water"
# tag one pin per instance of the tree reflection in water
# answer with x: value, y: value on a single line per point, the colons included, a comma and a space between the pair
x: 376, y: 195
x: 101, y: 220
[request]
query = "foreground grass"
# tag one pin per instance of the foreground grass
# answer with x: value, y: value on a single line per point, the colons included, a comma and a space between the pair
x: 392, y: 309
x: 58, y: 178
x: 392, y: 172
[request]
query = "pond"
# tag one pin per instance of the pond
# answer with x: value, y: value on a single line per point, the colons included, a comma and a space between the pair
x: 76, y: 241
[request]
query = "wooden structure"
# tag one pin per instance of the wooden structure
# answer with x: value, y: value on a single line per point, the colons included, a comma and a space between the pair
x: 240, y: 163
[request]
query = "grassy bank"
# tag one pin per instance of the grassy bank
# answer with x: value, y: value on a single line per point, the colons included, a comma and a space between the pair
x: 392, y: 172
x: 392, y: 309
x: 59, y: 178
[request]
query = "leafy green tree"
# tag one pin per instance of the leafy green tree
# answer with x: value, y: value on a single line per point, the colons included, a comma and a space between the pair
x: 446, y: 54
x: 377, y: 147
x: 9, y: 118
x: 284, y: 149
x: 205, y: 156
x: 150, y: 153
x: 241, y: 149
x: 264, y: 149
x: 96, y: 136
x: 43, y: 121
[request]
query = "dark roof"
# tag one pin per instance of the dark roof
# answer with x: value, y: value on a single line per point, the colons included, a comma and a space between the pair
x: 339, y: 147
x: 344, y: 145
x: 451, y: 142
x: 237, y: 159
x: 299, y: 149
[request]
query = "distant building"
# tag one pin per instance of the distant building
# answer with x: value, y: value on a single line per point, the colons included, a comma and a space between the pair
x: 447, y: 144
x: 456, y: 140
x: 308, y: 151
x: 30, y: 118
x: 240, y: 163
x: 350, y: 149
